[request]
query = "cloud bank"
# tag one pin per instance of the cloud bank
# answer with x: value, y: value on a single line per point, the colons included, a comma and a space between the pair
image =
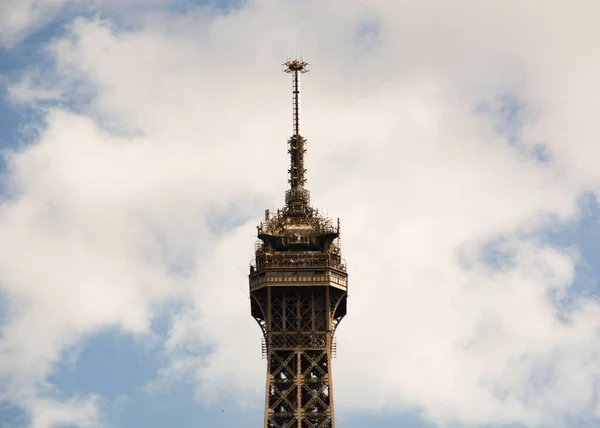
x: 167, y: 140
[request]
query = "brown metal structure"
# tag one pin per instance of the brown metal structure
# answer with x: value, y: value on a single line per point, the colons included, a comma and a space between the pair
x: 298, y: 291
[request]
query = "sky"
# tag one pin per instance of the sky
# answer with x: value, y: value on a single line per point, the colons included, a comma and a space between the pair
x: 142, y: 140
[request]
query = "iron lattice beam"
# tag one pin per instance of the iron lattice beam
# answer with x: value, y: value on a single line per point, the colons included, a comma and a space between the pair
x: 299, y: 351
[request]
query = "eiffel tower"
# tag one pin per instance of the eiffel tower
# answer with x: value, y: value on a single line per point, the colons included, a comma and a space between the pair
x: 298, y: 292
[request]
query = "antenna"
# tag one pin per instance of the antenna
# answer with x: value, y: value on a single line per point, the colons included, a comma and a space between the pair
x: 295, y: 66
x: 297, y: 198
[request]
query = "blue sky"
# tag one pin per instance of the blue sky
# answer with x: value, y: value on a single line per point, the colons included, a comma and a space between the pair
x: 142, y: 142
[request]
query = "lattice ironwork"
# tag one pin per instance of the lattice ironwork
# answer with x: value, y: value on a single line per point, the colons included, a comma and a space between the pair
x: 299, y: 346
x: 299, y: 389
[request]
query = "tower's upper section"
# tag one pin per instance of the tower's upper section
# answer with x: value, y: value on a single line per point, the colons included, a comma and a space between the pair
x: 297, y: 227
x: 298, y: 247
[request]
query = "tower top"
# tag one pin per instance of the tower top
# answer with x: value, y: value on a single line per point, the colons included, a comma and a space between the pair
x: 297, y: 225
x: 295, y: 65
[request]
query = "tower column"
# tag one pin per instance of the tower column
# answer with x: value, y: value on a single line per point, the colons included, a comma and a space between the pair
x: 298, y: 291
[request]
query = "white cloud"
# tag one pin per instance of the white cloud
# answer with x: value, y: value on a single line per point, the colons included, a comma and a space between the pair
x: 420, y: 182
x: 19, y: 17
x: 81, y: 413
x: 27, y: 90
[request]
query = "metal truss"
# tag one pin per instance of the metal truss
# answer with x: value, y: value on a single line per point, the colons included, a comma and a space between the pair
x: 299, y: 352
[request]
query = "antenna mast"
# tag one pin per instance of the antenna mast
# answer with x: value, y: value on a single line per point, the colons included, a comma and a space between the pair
x: 297, y: 198
x: 297, y: 149
x: 295, y: 66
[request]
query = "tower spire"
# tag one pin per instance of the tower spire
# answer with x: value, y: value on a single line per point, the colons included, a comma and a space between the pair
x: 296, y: 142
x: 297, y: 198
